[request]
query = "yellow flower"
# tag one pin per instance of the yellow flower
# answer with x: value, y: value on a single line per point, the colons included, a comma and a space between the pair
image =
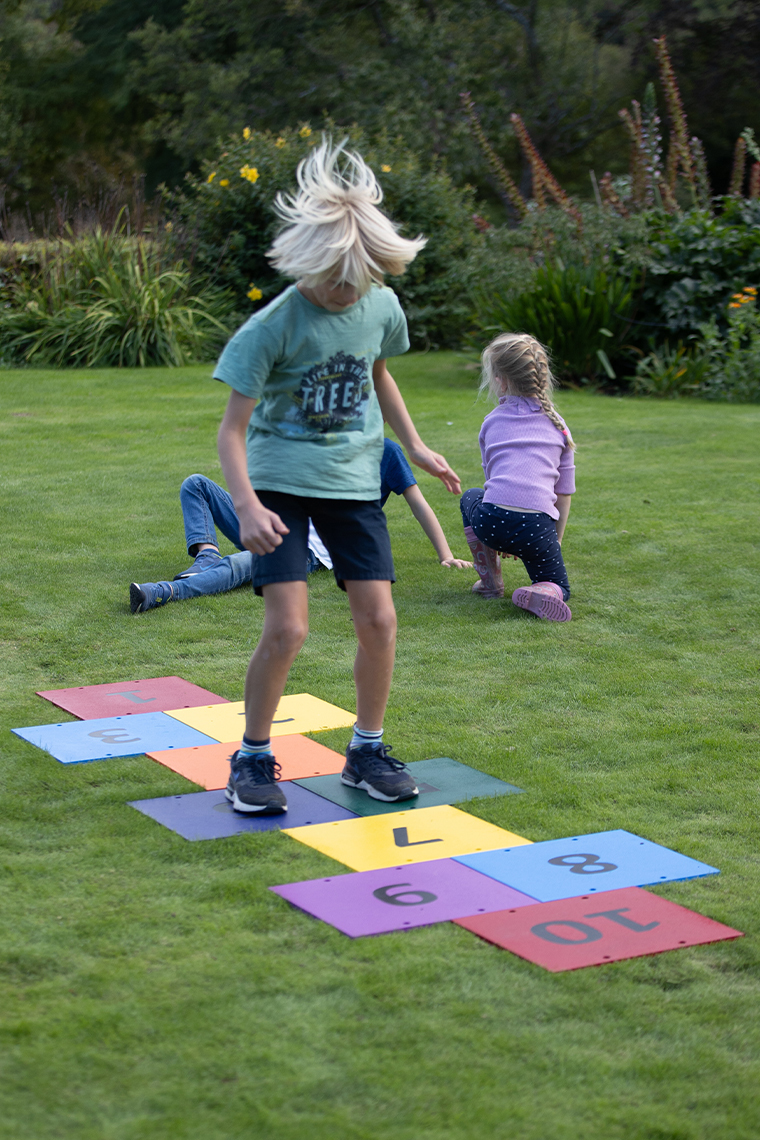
x: 750, y: 289
x: 224, y: 182
x: 250, y: 173
x: 254, y: 294
x: 385, y: 169
x: 734, y: 305
x: 169, y: 227
x: 305, y: 132
x: 737, y: 297
x: 211, y: 176
x: 280, y: 142
x: 246, y: 133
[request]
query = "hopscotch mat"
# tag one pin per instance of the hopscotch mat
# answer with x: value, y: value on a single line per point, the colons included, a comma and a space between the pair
x: 209, y: 764
x: 297, y: 713
x: 77, y: 741
x: 586, y: 864
x: 440, y: 780
x: 401, y: 897
x: 374, y: 841
x: 592, y: 930
x: 208, y: 815
x: 125, y: 698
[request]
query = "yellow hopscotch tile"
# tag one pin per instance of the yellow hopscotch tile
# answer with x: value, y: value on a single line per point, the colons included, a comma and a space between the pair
x: 297, y: 713
x: 375, y: 841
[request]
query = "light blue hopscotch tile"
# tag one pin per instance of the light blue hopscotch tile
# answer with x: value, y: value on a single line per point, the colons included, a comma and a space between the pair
x: 585, y: 865
x: 77, y: 741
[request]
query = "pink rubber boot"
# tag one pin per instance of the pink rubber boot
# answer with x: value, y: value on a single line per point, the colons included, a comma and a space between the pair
x: 544, y: 599
x: 488, y: 566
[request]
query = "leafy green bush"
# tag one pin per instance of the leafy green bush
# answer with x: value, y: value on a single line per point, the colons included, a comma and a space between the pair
x: 732, y: 358
x: 695, y: 263
x: 110, y: 300
x: 579, y: 312
x: 670, y: 372
x: 224, y: 223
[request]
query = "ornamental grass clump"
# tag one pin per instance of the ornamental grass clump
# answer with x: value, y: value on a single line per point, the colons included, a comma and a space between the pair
x: 107, y: 300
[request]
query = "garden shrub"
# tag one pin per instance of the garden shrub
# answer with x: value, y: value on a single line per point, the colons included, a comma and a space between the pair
x: 694, y: 263
x: 732, y: 358
x: 579, y: 312
x: 223, y: 223
x: 109, y: 300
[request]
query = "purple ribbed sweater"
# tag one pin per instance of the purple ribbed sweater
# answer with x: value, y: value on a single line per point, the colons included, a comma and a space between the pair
x: 526, y: 460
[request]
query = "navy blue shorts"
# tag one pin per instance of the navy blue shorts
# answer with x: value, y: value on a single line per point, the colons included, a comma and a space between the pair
x: 354, y: 531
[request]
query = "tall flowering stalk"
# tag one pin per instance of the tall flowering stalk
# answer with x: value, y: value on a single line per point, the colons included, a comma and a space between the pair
x: 737, y: 170
x: 543, y: 179
x: 503, y: 176
x: 610, y: 196
x: 679, y: 141
x: 632, y: 123
x: 704, y: 189
x: 754, y: 180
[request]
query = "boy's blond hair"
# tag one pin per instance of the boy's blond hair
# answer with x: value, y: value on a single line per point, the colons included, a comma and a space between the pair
x: 333, y: 228
x: 517, y: 364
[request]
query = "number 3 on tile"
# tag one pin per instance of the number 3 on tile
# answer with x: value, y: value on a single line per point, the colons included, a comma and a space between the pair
x: 403, y: 898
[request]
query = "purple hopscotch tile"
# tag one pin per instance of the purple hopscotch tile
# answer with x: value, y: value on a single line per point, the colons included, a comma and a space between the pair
x: 208, y: 815
x: 398, y: 898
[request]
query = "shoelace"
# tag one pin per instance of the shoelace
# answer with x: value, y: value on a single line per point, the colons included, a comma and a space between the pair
x: 380, y: 760
x: 259, y: 769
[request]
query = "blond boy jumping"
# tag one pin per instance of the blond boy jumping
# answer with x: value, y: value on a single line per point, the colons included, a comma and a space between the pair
x: 302, y: 437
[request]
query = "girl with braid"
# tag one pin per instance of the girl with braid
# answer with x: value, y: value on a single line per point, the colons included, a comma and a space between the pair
x: 527, y: 454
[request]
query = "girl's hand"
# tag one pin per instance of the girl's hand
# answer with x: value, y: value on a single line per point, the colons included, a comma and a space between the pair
x: 456, y: 563
x: 435, y: 464
x: 261, y: 530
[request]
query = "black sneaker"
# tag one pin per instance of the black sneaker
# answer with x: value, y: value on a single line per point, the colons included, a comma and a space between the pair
x: 252, y: 786
x: 372, y: 768
x: 149, y: 595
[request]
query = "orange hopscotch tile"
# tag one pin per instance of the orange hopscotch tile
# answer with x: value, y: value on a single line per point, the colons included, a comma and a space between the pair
x: 208, y: 764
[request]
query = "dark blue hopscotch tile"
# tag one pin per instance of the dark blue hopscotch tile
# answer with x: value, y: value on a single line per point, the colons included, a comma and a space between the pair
x: 208, y: 815
x: 585, y: 865
x: 77, y: 741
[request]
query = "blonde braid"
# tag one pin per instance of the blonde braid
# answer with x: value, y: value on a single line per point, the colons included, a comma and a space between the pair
x: 543, y: 385
x: 517, y: 363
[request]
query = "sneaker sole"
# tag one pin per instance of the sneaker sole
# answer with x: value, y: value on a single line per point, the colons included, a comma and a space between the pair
x: 137, y: 598
x: 255, y: 809
x: 543, y: 606
x: 363, y: 786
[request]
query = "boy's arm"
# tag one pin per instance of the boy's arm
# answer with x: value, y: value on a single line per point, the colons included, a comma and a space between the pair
x: 261, y: 530
x: 563, y: 506
x: 394, y: 413
x: 426, y: 517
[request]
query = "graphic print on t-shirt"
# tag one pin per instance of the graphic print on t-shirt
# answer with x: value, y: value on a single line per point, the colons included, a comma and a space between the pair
x: 333, y: 395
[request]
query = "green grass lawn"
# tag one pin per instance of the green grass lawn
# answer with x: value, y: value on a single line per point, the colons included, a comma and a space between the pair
x: 152, y: 988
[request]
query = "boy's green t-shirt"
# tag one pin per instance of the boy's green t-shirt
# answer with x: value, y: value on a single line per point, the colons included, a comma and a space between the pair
x: 317, y: 429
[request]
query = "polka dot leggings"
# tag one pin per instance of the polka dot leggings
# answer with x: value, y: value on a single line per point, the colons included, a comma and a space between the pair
x: 532, y: 537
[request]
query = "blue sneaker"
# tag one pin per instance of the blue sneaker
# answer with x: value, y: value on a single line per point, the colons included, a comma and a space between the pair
x: 252, y: 786
x: 206, y: 560
x: 149, y: 595
x: 375, y: 771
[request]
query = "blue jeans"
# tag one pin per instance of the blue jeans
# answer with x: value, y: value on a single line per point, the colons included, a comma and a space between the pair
x: 234, y: 570
x: 205, y: 505
x: 531, y: 536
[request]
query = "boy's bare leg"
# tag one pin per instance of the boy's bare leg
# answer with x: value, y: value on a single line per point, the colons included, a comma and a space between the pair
x: 374, y: 618
x: 286, y: 624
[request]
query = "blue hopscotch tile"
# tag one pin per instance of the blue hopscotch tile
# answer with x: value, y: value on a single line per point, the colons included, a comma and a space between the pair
x: 585, y: 864
x: 75, y: 742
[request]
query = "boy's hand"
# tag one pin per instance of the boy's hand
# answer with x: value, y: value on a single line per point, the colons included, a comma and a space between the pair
x: 261, y: 530
x: 456, y: 563
x: 435, y: 464
x: 503, y: 554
